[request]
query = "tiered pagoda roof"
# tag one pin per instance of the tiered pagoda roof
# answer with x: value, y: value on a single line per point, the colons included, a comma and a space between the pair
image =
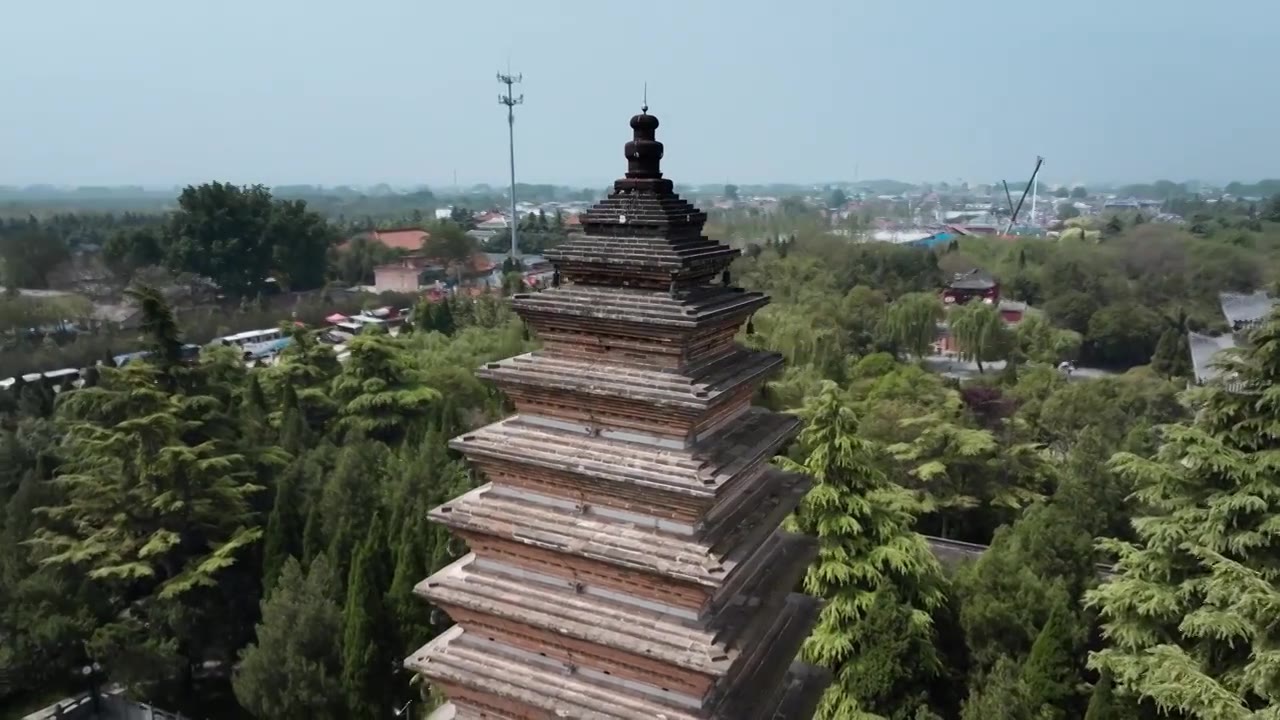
x: 626, y: 555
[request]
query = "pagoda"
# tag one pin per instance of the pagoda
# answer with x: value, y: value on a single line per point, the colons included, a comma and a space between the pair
x: 626, y: 558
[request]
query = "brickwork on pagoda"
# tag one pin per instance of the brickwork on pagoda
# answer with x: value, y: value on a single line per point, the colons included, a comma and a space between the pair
x: 626, y: 558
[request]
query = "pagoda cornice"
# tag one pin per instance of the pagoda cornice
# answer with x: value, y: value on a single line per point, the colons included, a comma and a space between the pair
x: 639, y: 307
x: 687, y: 560
x: 494, y: 678
x: 696, y: 391
x: 702, y: 471
x: 630, y: 636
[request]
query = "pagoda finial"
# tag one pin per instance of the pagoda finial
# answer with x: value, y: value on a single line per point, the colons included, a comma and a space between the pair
x: 644, y: 152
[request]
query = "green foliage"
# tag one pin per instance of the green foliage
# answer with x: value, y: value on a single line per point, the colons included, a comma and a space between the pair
x: 1189, y: 619
x: 878, y: 576
x: 1052, y: 673
x: 1039, y: 341
x: 911, y: 322
x: 29, y: 253
x: 367, y: 629
x: 1103, y: 704
x: 378, y: 392
x: 293, y: 670
x: 1172, y: 357
x: 979, y: 332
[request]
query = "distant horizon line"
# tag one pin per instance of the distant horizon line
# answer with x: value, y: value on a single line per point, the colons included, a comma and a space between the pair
x: 407, y: 187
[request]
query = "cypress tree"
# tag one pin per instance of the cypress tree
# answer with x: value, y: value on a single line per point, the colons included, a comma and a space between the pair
x: 292, y: 670
x: 879, y: 578
x: 424, y: 315
x: 1102, y: 706
x: 412, y: 614
x: 367, y: 636
x: 293, y: 426
x: 442, y: 317
x: 312, y: 535
x: 284, y: 528
x: 1050, y: 674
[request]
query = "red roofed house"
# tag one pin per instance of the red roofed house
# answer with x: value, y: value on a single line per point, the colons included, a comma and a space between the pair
x: 407, y: 239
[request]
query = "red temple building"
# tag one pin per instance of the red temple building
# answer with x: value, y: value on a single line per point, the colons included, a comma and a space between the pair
x: 973, y: 285
x: 626, y: 558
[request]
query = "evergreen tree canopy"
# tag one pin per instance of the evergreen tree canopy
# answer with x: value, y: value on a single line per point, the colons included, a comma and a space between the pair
x: 1190, y: 619
x: 879, y: 578
x: 369, y: 660
x: 293, y: 670
x: 379, y: 392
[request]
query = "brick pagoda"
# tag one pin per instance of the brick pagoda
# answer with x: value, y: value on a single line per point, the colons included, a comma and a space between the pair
x: 626, y: 558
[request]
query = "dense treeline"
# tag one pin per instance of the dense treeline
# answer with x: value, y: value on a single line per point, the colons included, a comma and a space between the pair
x: 198, y: 527
x: 155, y: 517
x: 1057, y: 476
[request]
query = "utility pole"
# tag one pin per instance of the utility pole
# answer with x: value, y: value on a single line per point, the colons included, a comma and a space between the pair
x: 511, y: 101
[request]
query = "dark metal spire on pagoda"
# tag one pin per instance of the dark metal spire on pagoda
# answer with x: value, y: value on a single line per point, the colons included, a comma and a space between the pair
x: 644, y: 152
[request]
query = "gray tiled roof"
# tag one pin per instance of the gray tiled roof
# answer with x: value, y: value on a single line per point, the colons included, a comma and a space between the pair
x: 1243, y: 309
x: 1204, y: 348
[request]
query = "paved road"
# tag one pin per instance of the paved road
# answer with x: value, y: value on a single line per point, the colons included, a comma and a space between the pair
x: 963, y: 370
x: 954, y: 551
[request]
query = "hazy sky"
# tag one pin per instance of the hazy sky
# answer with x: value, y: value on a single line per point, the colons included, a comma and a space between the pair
x: 403, y: 91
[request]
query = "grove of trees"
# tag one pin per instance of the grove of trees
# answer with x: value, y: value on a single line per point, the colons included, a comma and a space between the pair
x: 245, y: 541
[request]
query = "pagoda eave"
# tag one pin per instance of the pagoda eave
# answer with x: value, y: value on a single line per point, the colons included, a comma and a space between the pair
x: 702, y: 472
x: 696, y: 393
x: 505, y: 682
x: 639, y: 312
x: 488, y: 511
x: 665, y: 638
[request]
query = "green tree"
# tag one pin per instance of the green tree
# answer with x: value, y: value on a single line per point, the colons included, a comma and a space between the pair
x: 450, y: 244
x: 999, y: 694
x: 1040, y: 342
x: 293, y: 670
x: 156, y: 510
x: 1072, y: 310
x: 965, y: 476
x: 1172, y: 356
x: 129, y: 250
x: 979, y: 332
x: 221, y: 231
x: 380, y: 393
x: 879, y: 578
x: 1079, y: 192
x: 368, y: 662
x: 1123, y: 335
x: 1189, y: 619
x: 1052, y: 673
x: 1103, y: 704
x: 442, y: 320
x: 29, y: 253
x: 283, y: 538
x: 837, y: 199
x: 912, y: 322
x: 300, y: 243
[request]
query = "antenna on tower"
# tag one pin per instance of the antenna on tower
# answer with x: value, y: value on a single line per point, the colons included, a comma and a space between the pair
x: 511, y: 101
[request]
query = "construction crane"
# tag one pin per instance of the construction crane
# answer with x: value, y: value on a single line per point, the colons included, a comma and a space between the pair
x: 1013, y: 216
